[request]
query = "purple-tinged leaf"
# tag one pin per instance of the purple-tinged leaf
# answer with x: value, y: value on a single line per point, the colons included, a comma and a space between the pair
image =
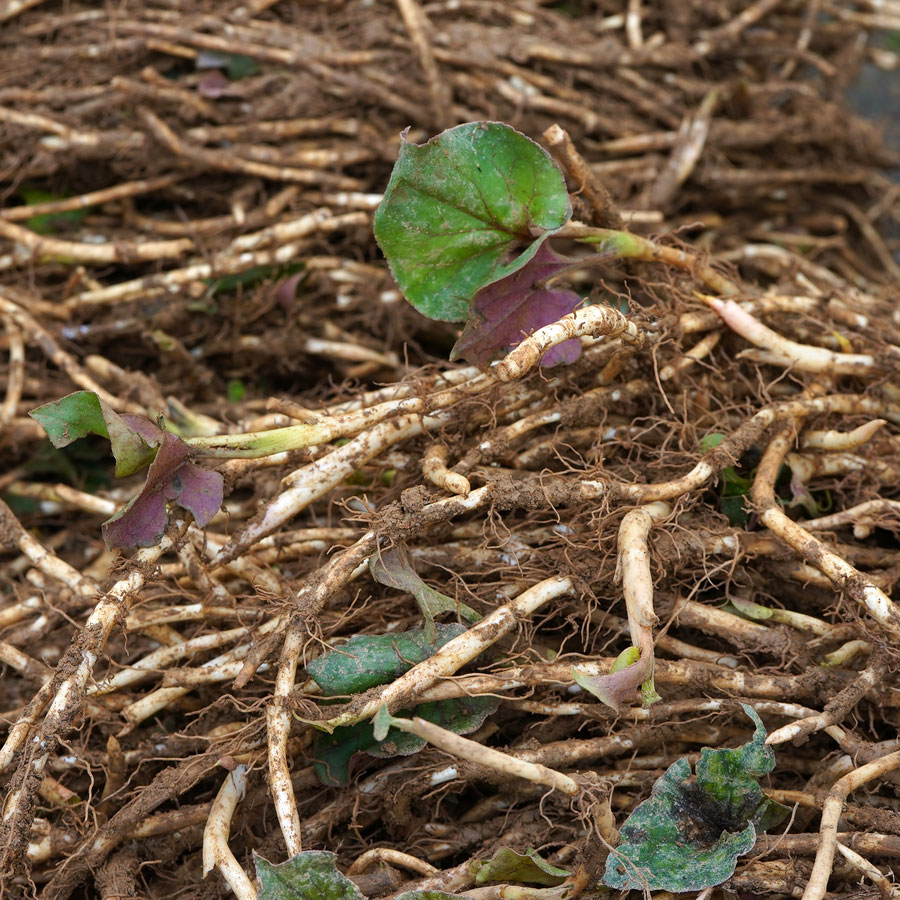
x: 617, y: 689
x: 214, y: 85
x: 563, y: 354
x: 140, y: 425
x: 505, y: 312
x: 199, y: 491
x: 133, y: 439
x: 286, y: 291
x: 171, y: 477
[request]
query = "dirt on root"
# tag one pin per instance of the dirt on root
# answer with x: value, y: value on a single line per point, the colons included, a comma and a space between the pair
x: 186, y: 202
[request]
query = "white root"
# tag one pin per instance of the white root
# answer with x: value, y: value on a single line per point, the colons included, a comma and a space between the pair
x: 703, y: 471
x: 824, y: 721
x: 841, y: 574
x: 841, y: 440
x: 43, y: 559
x: 320, y: 477
x: 434, y: 468
x: 591, y: 320
x: 867, y: 869
x: 831, y: 814
x: 699, y: 351
x: 278, y: 724
x: 16, y: 377
x: 781, y: 351
x: 616, y: 689
x: 633, y: 568
x: 863, y: 517
x: 67, y: 700
x: 220, y: 668
x: 472, y: 751
x: 392, y: 857
x: 216, y: 853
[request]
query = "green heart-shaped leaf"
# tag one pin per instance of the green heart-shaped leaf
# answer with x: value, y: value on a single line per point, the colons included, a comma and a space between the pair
x: 467, y: 208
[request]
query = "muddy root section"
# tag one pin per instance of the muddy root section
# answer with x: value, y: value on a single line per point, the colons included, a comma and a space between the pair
x: 186, y: 228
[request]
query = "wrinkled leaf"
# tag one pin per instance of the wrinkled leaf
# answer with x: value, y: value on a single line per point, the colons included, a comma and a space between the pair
x: 310, y: 874
x: 370, y: 659
x: 333, y: 752
x: 507, y: 865
x: 313, y: 875
x: 689, y: 834
x: 133, y: 439
x: 394, y: 568
x: 171, y: 477
x: 505, y: 312
x: 467, y: 208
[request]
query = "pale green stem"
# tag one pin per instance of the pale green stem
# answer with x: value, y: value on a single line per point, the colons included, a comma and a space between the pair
x: 625, y: 245
x: 256, y: 444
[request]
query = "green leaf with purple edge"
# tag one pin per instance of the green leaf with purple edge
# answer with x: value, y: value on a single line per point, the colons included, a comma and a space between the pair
x: 171, y: 477
x: 134, y: 439
x: 505, y: 312
x: 690, y: 833
x: 468, y: 208
x: 617, y: 688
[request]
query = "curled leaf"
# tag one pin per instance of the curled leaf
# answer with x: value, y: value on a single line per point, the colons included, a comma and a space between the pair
x: 529, y: 867
x: 689, y: 834
x: 171, y: 477
x: 617, y: 688
x: 750, y: 609
x: 394, y: 568
x: 133, y: 439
